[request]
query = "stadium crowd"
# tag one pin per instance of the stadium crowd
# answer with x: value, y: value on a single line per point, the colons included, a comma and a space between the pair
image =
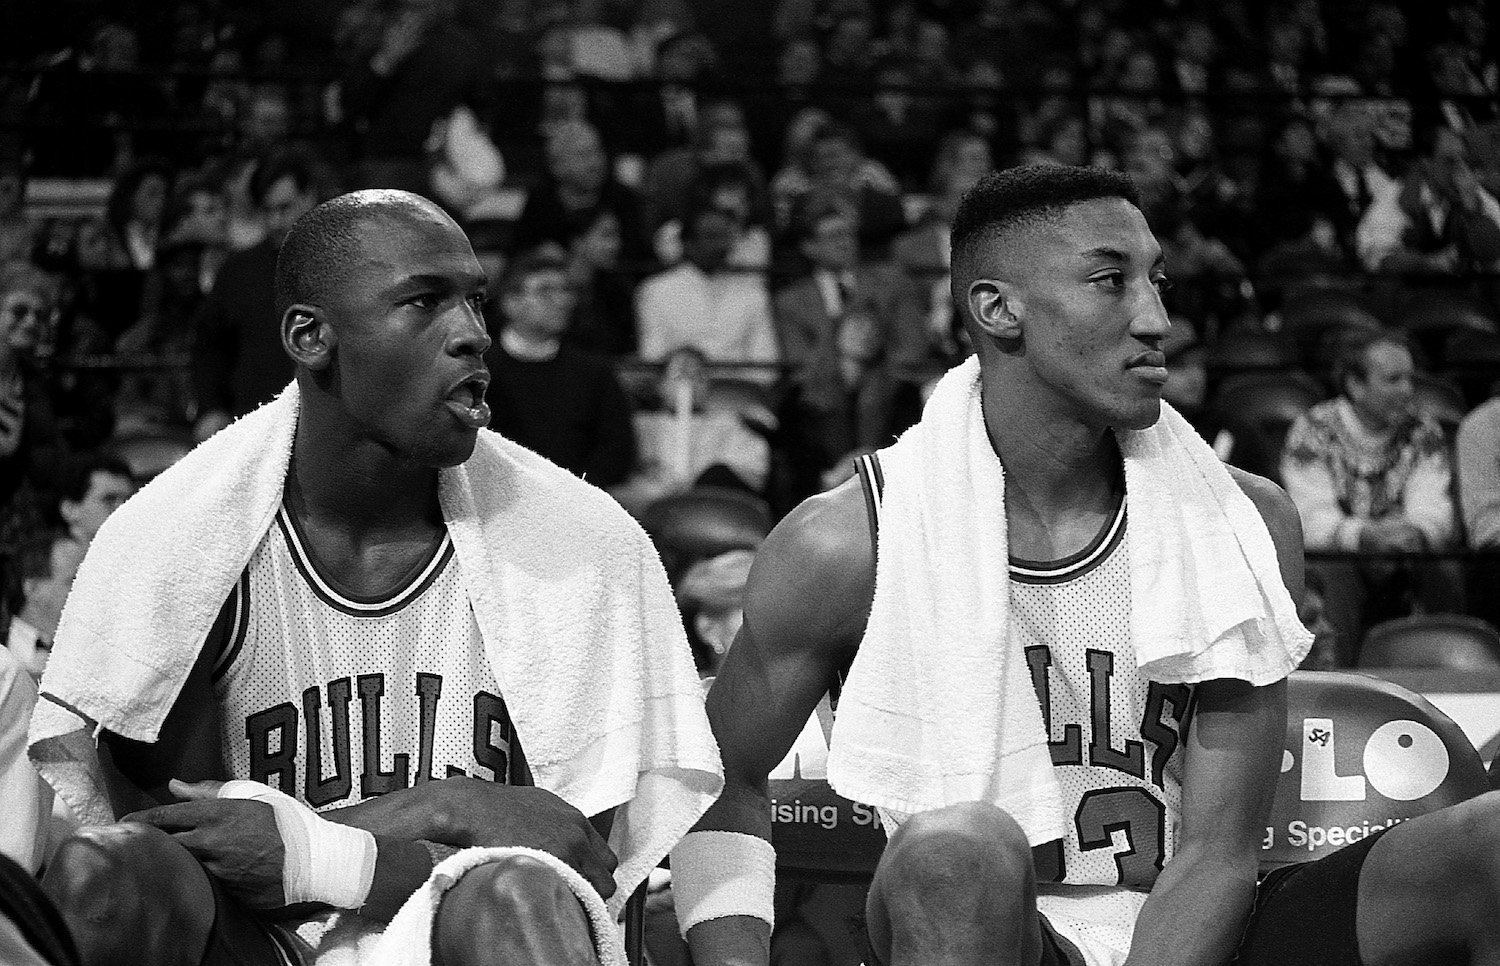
x: 717, y: 237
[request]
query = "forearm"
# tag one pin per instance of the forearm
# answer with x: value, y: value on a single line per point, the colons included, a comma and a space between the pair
x: 401, y: 866
x: 733, y: 940
x: 1196, y: 913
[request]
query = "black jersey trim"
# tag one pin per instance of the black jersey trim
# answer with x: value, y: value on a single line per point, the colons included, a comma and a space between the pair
x: 354, y: 605
x: 238, y: 607
x: 1078, y: 564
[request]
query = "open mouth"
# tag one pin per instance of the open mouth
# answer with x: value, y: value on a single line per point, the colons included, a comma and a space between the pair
x: 466, y: 400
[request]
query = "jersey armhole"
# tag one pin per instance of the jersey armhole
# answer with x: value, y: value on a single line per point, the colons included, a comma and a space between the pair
x: 227, y: 636
x: 872, y: 483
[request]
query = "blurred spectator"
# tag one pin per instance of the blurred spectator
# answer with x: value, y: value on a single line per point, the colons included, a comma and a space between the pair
x: 18, y: 233
x: 163, y: 396
x: 722, y: 143
x: 237, y: 359
x: 1347, y: 128
x: 1298, y: 201
x: 261, y: 128
x: 899, y: 122
x: 577, y: 186
x: 690, y: 438
x: 853, y: 334
x: 1368, y: 474
x: 1478, y: 461
x: 116, y: 251
x: 29, y: 427
x: 562, y: 402
x: 1478, y: 452
x: 89, y: 487
x: 705, y: 304
x: 836, y: 167
x: 422, y: 66
x: 1439, y: 221
x: 963, y: 157
x: 604, y: 317
x: 669, y: 112
x: 96, y: 112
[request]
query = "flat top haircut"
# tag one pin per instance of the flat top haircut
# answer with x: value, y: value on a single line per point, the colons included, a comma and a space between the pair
x: 1023, y: 196
x: 318, y: 251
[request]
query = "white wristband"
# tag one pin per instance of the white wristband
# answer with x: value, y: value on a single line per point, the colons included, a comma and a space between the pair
x: 325, y: 862
x: 718, y: 874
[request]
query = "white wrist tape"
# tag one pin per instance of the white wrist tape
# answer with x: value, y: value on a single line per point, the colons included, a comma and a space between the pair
x: 325, y: 861
x: 718, y: 874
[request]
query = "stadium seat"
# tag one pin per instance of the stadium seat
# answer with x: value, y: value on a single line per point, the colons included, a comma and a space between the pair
x: 148, y: 452
x: 1441, y: 399
x: 1471, y: 357
x: 1248, y: 351
x: 1259, y: 408
x: 1320, y: 318
x: 1361, y: 753
x: 703, y: 522
x: 1456, y: 641
x: 1432, y: 319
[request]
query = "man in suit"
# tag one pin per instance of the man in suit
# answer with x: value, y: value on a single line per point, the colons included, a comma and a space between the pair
x: 852, y: 334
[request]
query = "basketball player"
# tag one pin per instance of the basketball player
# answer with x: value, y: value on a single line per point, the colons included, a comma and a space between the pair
x: 356, y: 595
x: 1058, y: 278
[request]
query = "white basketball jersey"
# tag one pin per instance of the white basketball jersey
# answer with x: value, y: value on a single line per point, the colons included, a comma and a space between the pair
x: 1116, y: 738
x: 334, y: 699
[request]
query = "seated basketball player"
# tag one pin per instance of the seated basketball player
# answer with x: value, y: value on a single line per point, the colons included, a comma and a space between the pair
x: 399, y: 634
x: 1074, y: 755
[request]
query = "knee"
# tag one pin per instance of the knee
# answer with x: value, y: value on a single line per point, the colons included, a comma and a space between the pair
x: 518, y: 904
x: 103, y: 871
x: 1475, y: 841
x: 962, y: 846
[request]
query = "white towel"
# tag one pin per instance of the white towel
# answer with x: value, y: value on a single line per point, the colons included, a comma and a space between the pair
x: 407, y: 941
x: 575, y: 611
x: 914, y: 729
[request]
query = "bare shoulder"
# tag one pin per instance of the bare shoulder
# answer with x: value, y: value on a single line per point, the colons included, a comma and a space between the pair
x: 1281, y: 519
x: 816, y: 571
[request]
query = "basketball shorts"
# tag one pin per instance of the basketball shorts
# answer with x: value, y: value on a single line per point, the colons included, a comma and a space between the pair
x: 1305, y: 914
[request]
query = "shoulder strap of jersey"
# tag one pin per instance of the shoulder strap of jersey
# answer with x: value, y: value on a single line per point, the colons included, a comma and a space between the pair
x: 872, y: 481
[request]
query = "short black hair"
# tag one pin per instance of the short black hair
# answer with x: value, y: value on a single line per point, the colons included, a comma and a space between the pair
x: 1352, y: 356
x: 1025, y: 195
x: 323, y: 242
x: 286, y: 164
x: 527, y: 264
x: 76, y: 472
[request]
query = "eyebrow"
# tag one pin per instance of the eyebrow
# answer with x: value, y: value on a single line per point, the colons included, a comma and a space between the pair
x: 444, y: 282
x: 1115, y: 255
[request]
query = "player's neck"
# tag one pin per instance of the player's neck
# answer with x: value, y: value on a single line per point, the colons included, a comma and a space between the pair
x: 351, y: 492
x: 1062, y: 480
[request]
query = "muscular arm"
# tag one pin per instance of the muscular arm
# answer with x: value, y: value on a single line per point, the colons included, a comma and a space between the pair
x: 1198, y: 908
x: 806, y: 603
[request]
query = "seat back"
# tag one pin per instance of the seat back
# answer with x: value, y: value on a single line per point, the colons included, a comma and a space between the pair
x: 1260, y: 407
x: 1455, y: 641
x: 705, y: 521
x: 818, y: 833
x: 1361, y: 754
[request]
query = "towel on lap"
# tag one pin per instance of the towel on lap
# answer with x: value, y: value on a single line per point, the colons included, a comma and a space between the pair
x: 913, y: 730
x: 576, y: 614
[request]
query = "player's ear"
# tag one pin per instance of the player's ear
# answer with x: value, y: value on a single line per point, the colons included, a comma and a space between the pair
x: 993, y: 305
x: 307, y: 337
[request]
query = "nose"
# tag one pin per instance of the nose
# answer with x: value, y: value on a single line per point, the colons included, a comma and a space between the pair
x: 469, y: 335
x: 1150, y: 319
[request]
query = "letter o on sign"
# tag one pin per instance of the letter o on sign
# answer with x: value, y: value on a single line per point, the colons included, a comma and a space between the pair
x: 1405, y: 760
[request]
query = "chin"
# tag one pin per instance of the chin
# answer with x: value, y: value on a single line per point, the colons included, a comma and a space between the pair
x: 1143, y: 416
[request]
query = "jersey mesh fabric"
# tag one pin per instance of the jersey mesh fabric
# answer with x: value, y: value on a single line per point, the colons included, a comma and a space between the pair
x: 1072, y: 619
x: 302, y: 645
